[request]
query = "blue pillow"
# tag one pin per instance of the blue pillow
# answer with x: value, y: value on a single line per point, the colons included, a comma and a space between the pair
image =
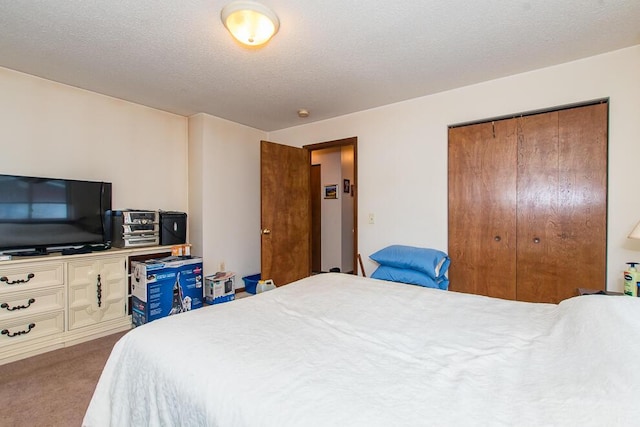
x: 429, y: 261
x: 412, y: 277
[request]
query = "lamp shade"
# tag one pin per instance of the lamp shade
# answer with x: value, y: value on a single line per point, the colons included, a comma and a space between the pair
x: 635, y: 234
x: 251, y: 23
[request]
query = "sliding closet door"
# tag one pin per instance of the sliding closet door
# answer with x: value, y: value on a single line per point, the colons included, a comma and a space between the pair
x: 482, y: 209
x: 562, y: 192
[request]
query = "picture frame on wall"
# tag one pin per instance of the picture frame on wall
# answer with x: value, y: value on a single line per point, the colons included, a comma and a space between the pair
x: 346, y: 187
x: 331, y: 191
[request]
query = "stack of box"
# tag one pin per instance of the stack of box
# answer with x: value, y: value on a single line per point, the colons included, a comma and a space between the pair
x: 166, y: 286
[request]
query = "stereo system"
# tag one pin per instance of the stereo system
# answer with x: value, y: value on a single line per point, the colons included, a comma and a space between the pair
x: 135, y: 228
x: 132, y: 228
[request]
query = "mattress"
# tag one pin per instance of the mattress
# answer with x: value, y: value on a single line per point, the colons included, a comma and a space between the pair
x: 341, y: 350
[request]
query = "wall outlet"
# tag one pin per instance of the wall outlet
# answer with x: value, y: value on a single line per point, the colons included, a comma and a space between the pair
x: 221, y: 266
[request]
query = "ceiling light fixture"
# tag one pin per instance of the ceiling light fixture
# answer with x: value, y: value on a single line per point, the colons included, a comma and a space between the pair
x: 250, y: 22
x: 303, y: 112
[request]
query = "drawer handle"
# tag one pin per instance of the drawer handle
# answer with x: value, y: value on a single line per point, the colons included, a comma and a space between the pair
x: 5, y: 279
x: 15, y: 334
x: 99, y: 286
x: 18, y: 307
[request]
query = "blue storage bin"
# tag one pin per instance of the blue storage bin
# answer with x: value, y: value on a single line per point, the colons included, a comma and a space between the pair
x: 251, y: 282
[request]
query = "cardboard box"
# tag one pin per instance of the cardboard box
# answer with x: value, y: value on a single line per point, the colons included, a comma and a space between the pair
x: 220, y: 287
x: 165, y: 286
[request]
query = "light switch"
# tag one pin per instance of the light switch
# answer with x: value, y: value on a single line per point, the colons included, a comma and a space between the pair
x: 372, y: 218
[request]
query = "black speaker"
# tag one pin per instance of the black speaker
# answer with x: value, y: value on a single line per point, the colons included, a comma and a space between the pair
x: 173, y: 228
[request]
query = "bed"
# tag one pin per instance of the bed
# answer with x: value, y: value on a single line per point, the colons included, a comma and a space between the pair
x: 341, y: 350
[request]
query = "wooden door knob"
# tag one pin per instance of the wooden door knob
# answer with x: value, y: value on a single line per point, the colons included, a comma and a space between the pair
x: 536, y: 240
x: 266, y: 231
x: 497, y: 238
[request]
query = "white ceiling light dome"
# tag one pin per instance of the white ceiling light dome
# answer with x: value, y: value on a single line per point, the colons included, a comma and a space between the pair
x: 250, y: 22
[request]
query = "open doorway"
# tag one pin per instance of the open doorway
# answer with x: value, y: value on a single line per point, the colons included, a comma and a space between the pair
x: 333, y: 192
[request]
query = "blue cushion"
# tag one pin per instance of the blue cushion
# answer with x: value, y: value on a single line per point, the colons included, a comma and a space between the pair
x: 429, y: 261
x: 406, y: 275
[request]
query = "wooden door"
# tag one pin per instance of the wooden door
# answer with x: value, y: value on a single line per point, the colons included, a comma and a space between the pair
x: 583, y: 194
x: 538, y: 207
x: 562, y: 192
x: 482, y: 209
x: 285, y: 213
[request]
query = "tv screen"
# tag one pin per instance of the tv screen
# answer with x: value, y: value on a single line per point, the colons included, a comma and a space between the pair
x: 47, y: 213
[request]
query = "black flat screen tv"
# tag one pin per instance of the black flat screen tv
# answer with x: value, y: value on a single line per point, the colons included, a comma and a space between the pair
x: 46, y: 214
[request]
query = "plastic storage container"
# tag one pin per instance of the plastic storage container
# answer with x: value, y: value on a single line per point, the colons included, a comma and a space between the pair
x: 250, y: 283
x: 631, y: 280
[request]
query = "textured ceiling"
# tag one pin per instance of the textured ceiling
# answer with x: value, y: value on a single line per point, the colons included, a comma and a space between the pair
x: 331, y: 57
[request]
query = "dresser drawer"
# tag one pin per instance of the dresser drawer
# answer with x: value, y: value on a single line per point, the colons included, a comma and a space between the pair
x: 30, y: 276
x: 25, y: 303
x: 27, y: 328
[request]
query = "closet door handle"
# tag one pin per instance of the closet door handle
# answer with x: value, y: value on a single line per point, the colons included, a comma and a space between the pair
x: 497, y: 238
x: 536, y: 240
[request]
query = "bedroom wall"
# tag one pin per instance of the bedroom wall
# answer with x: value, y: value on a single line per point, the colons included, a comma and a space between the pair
x: 54, y: 130
x: 47, y: 128
x: 402, y: 150
x: 224, y: 195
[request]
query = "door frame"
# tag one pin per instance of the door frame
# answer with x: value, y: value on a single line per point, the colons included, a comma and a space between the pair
x: 345, y: 142
x: 316, y: 218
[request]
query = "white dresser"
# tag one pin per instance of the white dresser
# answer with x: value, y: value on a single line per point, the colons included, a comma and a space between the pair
x: 54, y: 301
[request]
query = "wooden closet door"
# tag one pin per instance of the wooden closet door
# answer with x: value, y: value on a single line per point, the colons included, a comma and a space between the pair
x: 482, y: 209
x: 539, y: 252
x: 583, y: 196
x: 562, y: 192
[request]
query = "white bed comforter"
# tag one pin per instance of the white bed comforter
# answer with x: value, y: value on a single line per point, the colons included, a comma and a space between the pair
x: 339, y: 350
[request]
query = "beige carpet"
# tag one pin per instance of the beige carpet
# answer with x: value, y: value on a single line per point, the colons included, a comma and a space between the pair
x: 53, y: 389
